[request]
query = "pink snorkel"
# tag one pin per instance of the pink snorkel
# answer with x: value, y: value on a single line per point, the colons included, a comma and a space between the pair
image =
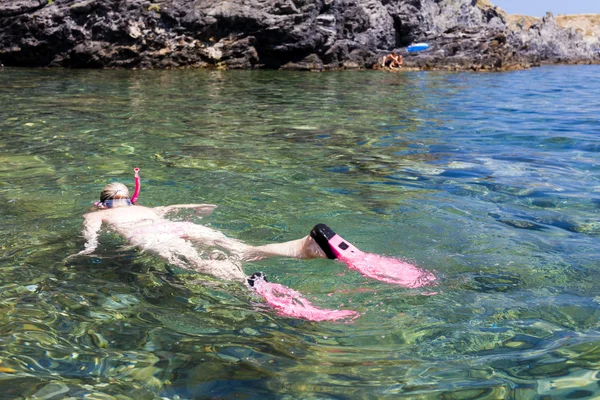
x: 136, y: 192
x: 385, y: 269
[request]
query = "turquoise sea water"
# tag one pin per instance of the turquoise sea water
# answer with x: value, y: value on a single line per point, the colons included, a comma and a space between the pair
x: 492, y: 181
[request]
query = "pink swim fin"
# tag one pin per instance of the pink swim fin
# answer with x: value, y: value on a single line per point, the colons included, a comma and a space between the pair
x: 385, y: 269
x: 290, y: 303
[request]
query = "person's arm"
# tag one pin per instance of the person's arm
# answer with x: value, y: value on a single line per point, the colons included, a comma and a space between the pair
x: 91, y: 228
x: 200, y: 209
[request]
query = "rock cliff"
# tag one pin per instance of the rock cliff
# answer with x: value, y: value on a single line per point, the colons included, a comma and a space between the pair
x: 561, y: 39
x: 287, y: 34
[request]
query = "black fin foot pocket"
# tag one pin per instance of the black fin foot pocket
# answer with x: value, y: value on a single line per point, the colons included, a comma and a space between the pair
x: 256, y: 277
x: 321, y: 233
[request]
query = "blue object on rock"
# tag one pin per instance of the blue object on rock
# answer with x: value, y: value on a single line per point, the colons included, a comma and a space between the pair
x: 413, y: 48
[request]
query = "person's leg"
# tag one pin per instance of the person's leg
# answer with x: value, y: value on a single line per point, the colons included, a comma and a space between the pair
x: 211, y: 238
x: 223, y: 269
x: 300, y: 248
x: 168, y: 244
x: 184, y: 255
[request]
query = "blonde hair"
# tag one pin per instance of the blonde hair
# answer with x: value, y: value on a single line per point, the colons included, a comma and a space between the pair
x: 115, y: 190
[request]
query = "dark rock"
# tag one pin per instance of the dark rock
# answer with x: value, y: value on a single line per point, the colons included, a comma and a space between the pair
x: 311, y: 62
x: 288, y: 34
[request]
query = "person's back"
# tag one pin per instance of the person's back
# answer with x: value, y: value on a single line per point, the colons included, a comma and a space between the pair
x: 127, y: 219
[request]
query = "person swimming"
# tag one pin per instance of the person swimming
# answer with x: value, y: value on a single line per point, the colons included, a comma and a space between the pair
x: 147, y: 229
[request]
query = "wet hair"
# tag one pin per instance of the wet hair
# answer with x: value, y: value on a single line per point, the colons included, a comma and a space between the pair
x: 114, y: 191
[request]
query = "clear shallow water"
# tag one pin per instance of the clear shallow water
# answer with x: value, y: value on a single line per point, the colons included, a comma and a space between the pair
x: 490, y: 180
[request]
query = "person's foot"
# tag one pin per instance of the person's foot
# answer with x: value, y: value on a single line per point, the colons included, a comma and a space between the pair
x: 321, y: 234
x: 257, y: 277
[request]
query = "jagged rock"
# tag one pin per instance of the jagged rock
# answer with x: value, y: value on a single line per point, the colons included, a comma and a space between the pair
x: 549, y: 42
x: 289, y: 34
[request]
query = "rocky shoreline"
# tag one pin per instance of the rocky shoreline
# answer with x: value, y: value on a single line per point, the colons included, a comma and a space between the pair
x: 282, y: 34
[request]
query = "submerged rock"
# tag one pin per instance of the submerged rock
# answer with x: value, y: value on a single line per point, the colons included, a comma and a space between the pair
x: 289, y: 34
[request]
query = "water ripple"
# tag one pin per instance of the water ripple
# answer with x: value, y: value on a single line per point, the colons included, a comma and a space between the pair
x: 489, y: 180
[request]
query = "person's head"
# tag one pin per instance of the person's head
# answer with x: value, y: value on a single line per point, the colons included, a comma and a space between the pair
x: 114, y: 195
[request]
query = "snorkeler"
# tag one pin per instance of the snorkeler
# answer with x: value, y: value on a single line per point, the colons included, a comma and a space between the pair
x: 147, y: 229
